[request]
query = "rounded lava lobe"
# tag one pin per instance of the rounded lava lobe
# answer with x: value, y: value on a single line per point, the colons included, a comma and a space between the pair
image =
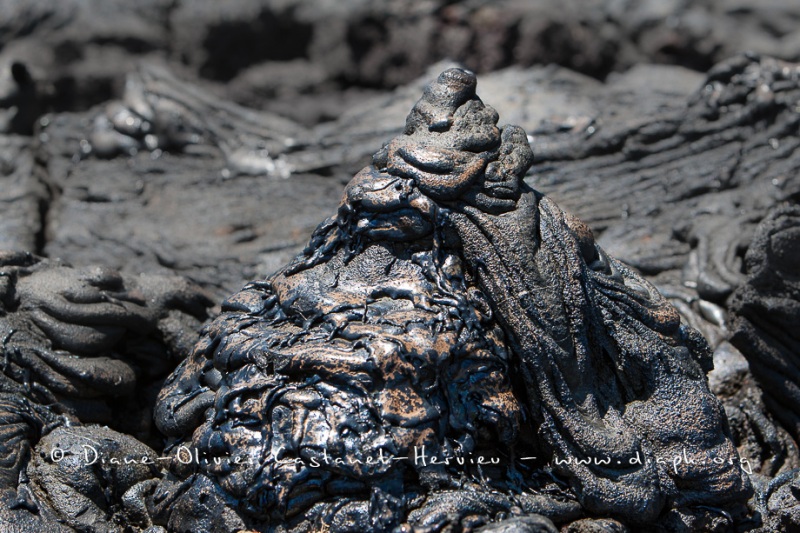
x: 372, y: 191
x: 440, y: 100
x: 475, y: 127
x: 450, y: 115
x: 440, y: 173
x: 450, y: 138
x: 385, y: 207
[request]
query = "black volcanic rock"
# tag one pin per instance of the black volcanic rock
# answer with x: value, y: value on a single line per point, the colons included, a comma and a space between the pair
x: 447, y: 307
x: 765, y: 310
x: 691, y: 178
x: 80, y: 347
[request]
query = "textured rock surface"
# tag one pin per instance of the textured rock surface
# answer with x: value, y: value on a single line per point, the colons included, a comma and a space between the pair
x: 296, y: 56
x: 691, y: 178
x: 23, y: 196
x: 82, y: 346
x: 99, y: 195
x: 448, y: 307
x: 764, y: 312
x: 90, y: 340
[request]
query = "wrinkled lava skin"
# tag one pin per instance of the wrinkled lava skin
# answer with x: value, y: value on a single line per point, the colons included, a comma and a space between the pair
x: 447, y: 305
x: 82, y: 346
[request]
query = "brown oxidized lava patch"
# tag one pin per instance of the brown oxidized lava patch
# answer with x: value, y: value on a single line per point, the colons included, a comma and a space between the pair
x: 344, y: 374
x: 446, y: 309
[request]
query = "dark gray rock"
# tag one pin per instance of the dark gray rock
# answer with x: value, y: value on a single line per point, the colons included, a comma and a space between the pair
x: 82, y: 346
x: 712, y: 157
x: 91, y: 344
x: 672, y: 170
x: 603, y: 525
x: 24, y: 197
x: 87, y: 476
x: 765, y: 310
x: 81, y: 50
x: 525, y: 524
x: 167, y: 212
x: 448, y: 307
x: 20, y: 101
